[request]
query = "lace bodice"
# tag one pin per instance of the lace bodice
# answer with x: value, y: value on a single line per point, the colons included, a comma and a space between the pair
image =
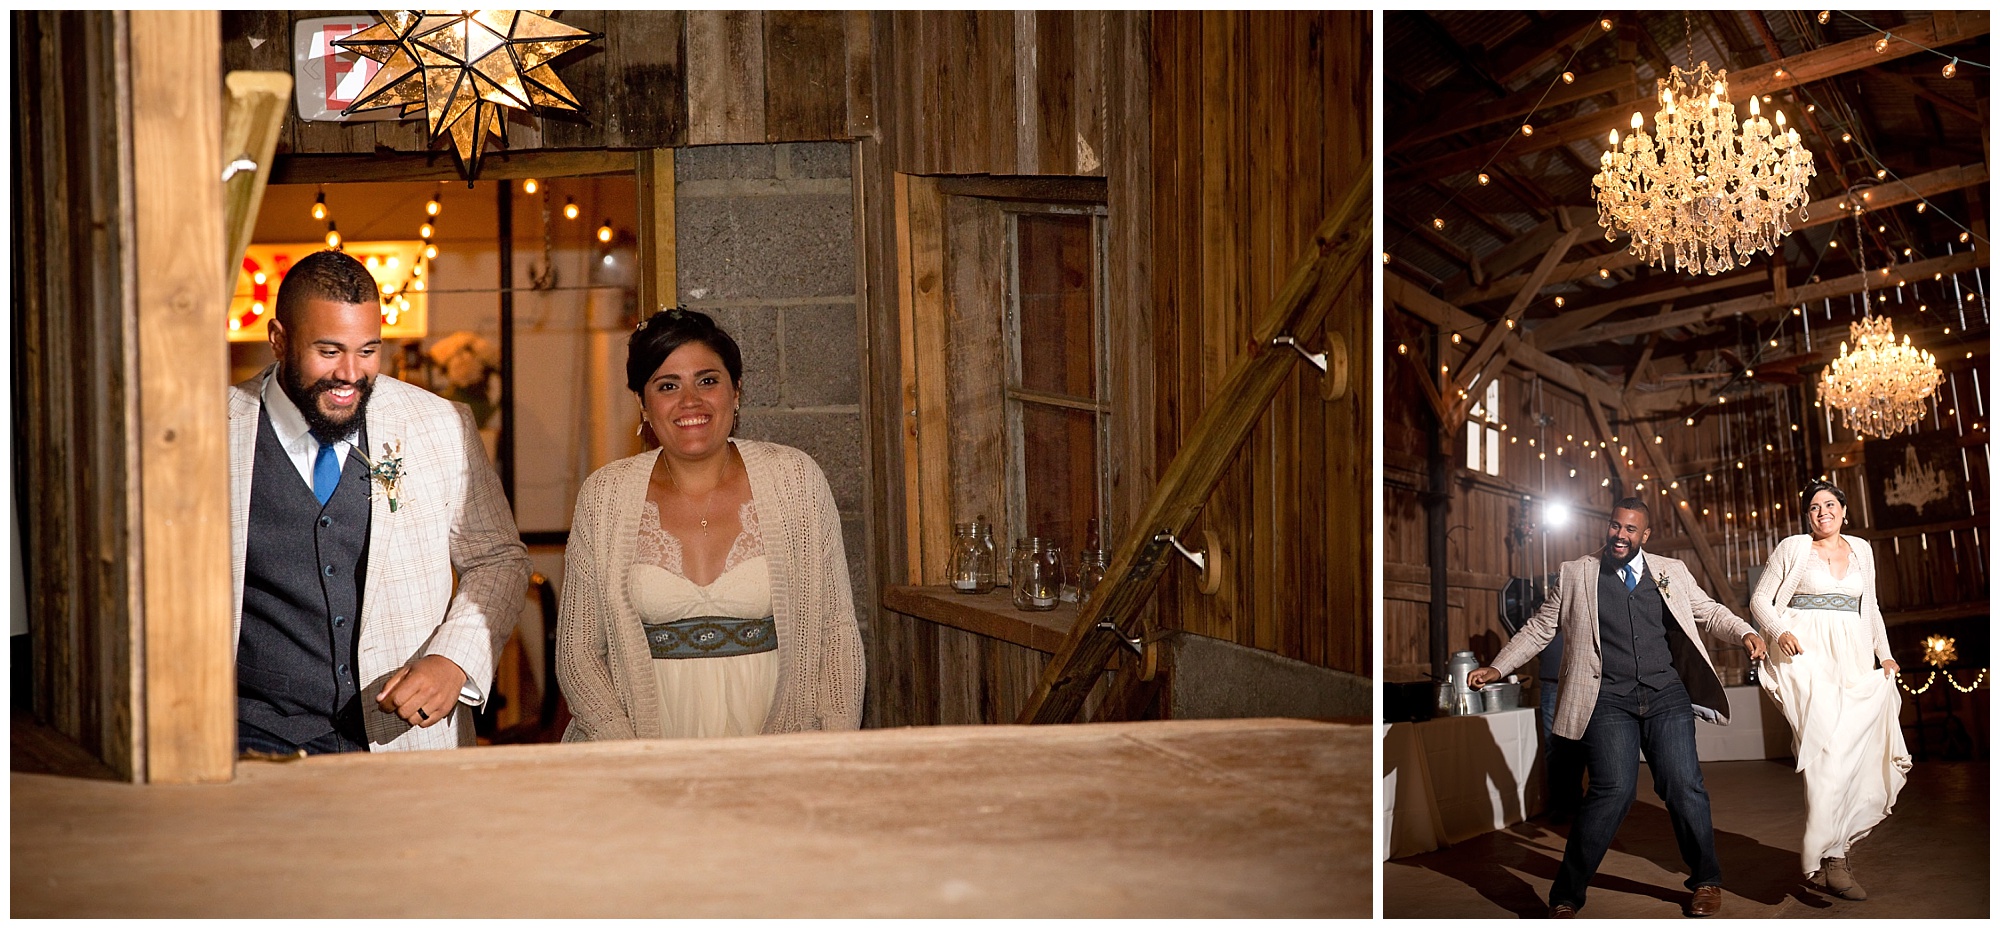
x: 659, y: 548
x: 1818, y: 577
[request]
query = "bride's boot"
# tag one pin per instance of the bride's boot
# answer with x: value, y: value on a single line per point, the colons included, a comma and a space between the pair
x: 1835, y: 876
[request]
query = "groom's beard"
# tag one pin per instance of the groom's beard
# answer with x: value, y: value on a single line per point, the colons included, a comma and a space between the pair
x: 325, y: 427
x: 1614, y: 560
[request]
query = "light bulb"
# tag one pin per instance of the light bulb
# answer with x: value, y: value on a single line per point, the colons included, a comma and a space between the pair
x: 1604, y: 274
x: 431, y: 208
x: 1485, y: 180
x: 604, y: 231
x: 1437, y: 223
x: 1882, y: 44
x: 1638, y: 121
x: 1847, y: 137
x: 1569, y: 77
x: 1614, y: 142
x: 418, y: 286
x: 1824, y: 15
x: 426, y: 231
x: 430, y: 251
x: 332, y: 236
x: 1527, y: 129
x: 319, y: 207
x: 1559, y: 303
x: 373, y: 262
x: 569, y: 209
x: 1604, y: 24
x: 1951, y: 70
x: 259, y: 278
x: 1922, y: 206
x: 530, y: 185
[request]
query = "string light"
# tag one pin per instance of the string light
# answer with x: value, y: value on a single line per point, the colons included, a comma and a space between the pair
x: 1604, y: 24
x: 1882, y: 44
x: 1484, y: 179
x: 531, y: 185
x: 430, y: 251
x: 1569, y: 77
x: 1824, y: 15
x: 1527, y: 130
x: 571, y: 212
x: 426, y: 231
x: 1604, y: 274
x: 604, y: 232
x: 1437, y: 222
x: 1559, y: 303
x: 332, y: 235
x: 432, y: 207
x: 1847, y: 137
x: 1921, y: 206
x: 319, y: 206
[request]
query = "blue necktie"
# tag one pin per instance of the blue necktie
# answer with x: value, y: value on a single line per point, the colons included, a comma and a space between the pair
x: 326, y: 474
x: 1631, y: 574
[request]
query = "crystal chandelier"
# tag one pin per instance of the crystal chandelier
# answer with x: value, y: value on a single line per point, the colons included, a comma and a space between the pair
x: 1712, y: 195
x: 1880, y: 388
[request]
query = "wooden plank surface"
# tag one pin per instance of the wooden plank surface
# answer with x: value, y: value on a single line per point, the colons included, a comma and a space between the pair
x: 725, y: 77
x: 975, y: 320
x: 805, y: 84
x: 659, y: 269
x: 189, y: 677
x: 1194, y: 818
x: 931, y: 536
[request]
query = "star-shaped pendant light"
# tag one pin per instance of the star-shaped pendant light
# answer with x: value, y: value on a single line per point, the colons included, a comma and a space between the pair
x: 459, y: 67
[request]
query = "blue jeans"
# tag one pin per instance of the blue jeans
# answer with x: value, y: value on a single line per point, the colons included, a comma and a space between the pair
x: 250, y: 737
x: 1563, y: 758
x: 1661, y: 724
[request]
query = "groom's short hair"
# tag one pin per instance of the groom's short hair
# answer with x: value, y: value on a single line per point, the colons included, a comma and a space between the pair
x: 328, y: 274
x: 1633, y: 503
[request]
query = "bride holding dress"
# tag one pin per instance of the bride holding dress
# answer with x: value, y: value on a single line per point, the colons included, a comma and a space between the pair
x: 1816, y: 603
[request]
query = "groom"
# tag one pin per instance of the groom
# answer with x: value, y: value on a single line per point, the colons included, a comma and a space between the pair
x: 376, y: 565
x: 1634, y: 676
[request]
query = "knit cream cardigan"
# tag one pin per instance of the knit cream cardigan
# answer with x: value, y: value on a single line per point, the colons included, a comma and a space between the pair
x: 1771, y: 607
x: 602, y: 660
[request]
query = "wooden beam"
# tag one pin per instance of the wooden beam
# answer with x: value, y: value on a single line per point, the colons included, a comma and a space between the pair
x: 1332, y: 264
x: 1818, y: 213
x: 1402, y: 291
x: 1501, y: 332
x: 1759, y: 304
x: 1915, y: 89
x: 257, y: 102
x: 1767, y: 77
x: 1620, y: 78
x: 498, y: 165
x: 659, y: 273
x: 188, y: 679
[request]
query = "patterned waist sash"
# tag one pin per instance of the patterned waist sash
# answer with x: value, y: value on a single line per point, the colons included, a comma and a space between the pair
x: 712, y: 637
x: 1826, y: 602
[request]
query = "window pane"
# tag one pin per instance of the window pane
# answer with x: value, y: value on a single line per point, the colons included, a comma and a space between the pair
x: 1056, y: 320
x: 1473, y: 437
x: 1059, y: 458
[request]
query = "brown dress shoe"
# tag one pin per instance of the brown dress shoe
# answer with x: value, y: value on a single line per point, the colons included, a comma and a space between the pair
x: 1707, y: 901
x: 1562, y: 911
x: 1837, y: 878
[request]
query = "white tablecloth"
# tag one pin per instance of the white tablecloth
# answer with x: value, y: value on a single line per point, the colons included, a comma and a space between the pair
x: 1757, y: 730
x: 1455, y: 777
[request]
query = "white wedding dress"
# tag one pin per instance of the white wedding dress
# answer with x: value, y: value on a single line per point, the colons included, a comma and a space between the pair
x: 1843, y: 710
x: 703, y: 697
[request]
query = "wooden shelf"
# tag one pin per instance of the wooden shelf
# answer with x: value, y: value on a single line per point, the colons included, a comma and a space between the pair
x: 989, y: 614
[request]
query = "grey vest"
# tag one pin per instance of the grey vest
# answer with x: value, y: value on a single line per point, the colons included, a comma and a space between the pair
x: 1632, y: 633
x: 303, y: 573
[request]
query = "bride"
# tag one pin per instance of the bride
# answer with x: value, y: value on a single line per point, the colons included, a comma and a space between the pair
x: 1816, y: 603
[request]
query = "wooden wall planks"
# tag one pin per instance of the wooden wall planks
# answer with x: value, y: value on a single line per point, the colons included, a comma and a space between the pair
x: 1248, y: 150
x: 73, y: 390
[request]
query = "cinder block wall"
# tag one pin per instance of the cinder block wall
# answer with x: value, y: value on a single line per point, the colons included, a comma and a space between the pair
x: 764, y: 238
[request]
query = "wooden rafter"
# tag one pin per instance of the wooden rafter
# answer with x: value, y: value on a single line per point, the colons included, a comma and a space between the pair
x: 1818, y: 213
x: 1501, y: 331
x: 1766, y: 303
x: 1762, y: 78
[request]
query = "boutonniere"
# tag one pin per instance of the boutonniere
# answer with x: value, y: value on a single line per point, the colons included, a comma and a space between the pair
x: 387, y: 472
x: 1665, y: 585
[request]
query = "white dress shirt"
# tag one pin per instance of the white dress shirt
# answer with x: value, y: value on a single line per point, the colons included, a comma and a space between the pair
x: 1637, y: 564
x: 293, y: 433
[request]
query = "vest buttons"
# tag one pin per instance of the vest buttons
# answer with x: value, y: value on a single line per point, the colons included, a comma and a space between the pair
x: 329, y: 570
x: 343, y: 669
x: 339, y: 621
x: 325, y: 521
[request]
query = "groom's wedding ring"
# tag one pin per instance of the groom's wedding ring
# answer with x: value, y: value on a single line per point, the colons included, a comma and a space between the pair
x: 421, y: 714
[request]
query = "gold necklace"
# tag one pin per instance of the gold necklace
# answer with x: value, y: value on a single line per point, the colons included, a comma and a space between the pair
x: 707, y: 502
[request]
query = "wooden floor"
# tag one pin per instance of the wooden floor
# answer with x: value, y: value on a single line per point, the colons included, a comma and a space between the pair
x: 1929, y: 859
x: 1219, y: 818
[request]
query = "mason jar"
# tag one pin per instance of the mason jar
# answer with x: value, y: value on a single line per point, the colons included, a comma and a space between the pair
x: 1038, y: 574
x: 969, y: 572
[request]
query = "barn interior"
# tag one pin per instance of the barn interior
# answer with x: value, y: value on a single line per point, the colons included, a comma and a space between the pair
x: 1097, y: 277
x: 1537, y: 370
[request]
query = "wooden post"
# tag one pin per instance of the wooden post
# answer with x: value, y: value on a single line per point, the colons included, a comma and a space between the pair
x: 188, y: 680
x: 659, y: 270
